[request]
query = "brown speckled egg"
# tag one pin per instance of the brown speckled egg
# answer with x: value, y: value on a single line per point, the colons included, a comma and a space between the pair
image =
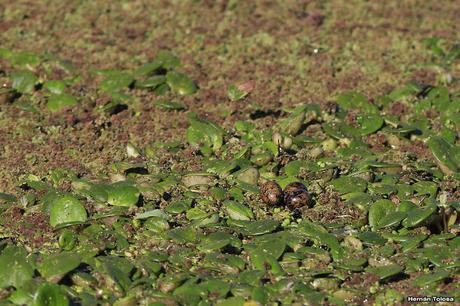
x: 271, y: 193
x: 296, y: 196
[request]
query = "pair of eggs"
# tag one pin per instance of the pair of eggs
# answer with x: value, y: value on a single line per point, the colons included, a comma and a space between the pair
x: 294, y: 196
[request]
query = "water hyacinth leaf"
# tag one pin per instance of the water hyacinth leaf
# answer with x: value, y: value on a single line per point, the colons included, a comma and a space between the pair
x: 56, y: 102
x: 168, y: 60
x: 203, y: 132
x: 148, y: 69
x: 181, y: 83
x: 293, y: 167
x: 410, y: 89
x: 7, y: 198
x: 57, y: 265
x: 385, y: 272
x: 426, y: 188
x: 196, y: 213
x: 294, y: 122
x: 197, y: 179
x: 378, y: 210
x: 49, y: 294
x: 116, y: 81
x: 23, y: 81
x: 24, y: 59
x: 157, y: 224
x: 447, y: 155
x: 369, y: 124
x: 359, y: 199
x: 67, y: 240
x: 418, y: 215
x: 23, y: 296
x: 354, y: 100
x: 189, y: 293
x: 118, y: 273
x: 248, y: 176
x: 67, y: 209
x: 178, y: 207
x: 170, y: 105
x: 216, y: 288
x: 152, y: 82
x: 434, y: 256
x: 15, y: 270
x: 274, y: 247
x: 439, y: 98
x: 347, y: 184
x: 430, y: 278
x: 122, y: 194
x: 259, y: 227
x: 263, y: 261
x: 55, y: 86
x: 215, y: 241
x: 391, y: 219
x: 238, y: 211
x: 161, y: 89
x: 332, y: 130
x: 182, y: 235
x: 318, y: 234
x: 221, y: 168
x: 152, y: 213
x: 235, y: 93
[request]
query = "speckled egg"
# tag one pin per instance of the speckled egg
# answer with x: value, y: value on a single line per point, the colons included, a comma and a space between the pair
x: 271, y: 193
x: 296, y: 196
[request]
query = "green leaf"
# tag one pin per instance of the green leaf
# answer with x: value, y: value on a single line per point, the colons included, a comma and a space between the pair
x: 369, y: 124
x: 292, y: 124
x: 181, y: 83
x: 439, y: 98
x: 5, y: 197
x: 55, y: 86
x: 216, y: 287
x: 378, y: 211
x: 259, y: 227
x: 24, y: 81
x: 168, y: 60
x: 152, y: 82
x: 122, y: 194
x: 67, y: 209
x: 116, y: 81
x: 237, y: 211
x: 264, y: 261
x: 371, y: 238
x: 385, y: 272
x: 447, y: 155
x: 215, y: 241
x: 353, y: 100
x: 417, y: 215
x: 410, y: 89
x: 56, y: 102
x: 58, y: 264
x: 14, y: 269
x: 49, y: 294
x: 274, y: 247
x: 318, y: 234
x: 24, y: 59
x: 348, y: 184
x: 430, y: 278
x: 391, y: 219
x: 170, y: 105
x: 148, y: 69
x: 204, y: 133
x: 119, y: 273
x: 235, y: 94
